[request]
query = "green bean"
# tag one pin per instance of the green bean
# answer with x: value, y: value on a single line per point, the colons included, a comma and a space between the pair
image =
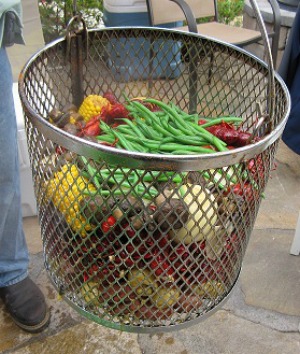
x: 91, y: 172
x: 85, y: 174
x: 144, y: 130
x: 148, y: 130
x: 170, y: 128
x: 190, y: 148
x: 137, y: 143
x: 106, y: 138
x: 162, y: 130
x: 105, y: 127
x: 220, y: 145
x: 152, y: 145
x: 192, y: 117
x: 182, y: 126
x: 149, y: 115
x: 186, y: 139
x: 123, y: 128
x: 160, y: 114
x: 215, y: 121
x: 179, y: 121
x: 162, y: 178
x: 186, y: 116
x: 108, y: 193
x: 199, y: 138
x: 133, y: 127
x: 151, y: 190
x: 123, y: 141
x: 170, y: 108
x: 171, y: 111
x: 168, y: 139
x: 119, y: 146
x: 145, y: 142
x: 183, y: 152
x: 207, y: 176
x: 136, y: 146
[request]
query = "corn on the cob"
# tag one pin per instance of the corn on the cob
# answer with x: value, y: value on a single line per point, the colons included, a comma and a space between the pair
x: 92, y: 106
x: 65, y: 191
x: 211, y: 288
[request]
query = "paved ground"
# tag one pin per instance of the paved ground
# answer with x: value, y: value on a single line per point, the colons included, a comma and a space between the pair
x: 261, y: 317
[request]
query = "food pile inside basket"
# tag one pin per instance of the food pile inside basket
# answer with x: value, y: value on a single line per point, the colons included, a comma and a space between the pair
x: 148, y: 245
x: 150, y: 126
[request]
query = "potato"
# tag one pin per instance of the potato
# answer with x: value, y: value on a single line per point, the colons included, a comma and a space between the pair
x: 188, y: 303
x: 202, y: 215
x: 165, y: 297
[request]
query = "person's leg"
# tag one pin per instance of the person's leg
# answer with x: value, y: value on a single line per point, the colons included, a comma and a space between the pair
x: 13, y: 249
x: 22, y: 298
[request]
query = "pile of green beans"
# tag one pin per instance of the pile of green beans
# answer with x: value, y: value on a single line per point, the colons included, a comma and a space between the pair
x: 167, y: 131
x: 125, y: 180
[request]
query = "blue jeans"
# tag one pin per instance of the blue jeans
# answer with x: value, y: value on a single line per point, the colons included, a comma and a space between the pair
x: 14, y: 256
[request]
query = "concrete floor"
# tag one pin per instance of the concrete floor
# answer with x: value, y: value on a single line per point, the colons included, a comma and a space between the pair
x: 261, y: 317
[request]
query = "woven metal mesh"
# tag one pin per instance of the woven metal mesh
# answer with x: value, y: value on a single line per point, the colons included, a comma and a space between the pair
x: 135, y: 242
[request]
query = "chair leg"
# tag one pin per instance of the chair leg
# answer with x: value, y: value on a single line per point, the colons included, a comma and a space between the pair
x: 295, y: 248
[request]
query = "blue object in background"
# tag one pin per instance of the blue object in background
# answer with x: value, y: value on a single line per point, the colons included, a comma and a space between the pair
x: 290, y: 72
x: 138, y: 58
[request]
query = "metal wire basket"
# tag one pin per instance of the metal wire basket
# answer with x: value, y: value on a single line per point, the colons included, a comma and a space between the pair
x: 160, y: 264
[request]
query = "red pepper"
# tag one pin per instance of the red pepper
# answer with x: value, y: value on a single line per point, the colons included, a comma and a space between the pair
x: 110, y: 97
x: 243, y: 138
x: 85, y: 277
x: 91, y: 128
x: 257, y: 168
x: 117, y: 110
x: 161, y: 266
x: 229, y: 134
x: 107, y: 225
x: 60, y: 150
x: 245, y: 190
x: 111, y: 220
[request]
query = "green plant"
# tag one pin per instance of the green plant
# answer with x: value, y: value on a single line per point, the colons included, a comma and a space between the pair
x: 230, y: 9
x: 55, y: 15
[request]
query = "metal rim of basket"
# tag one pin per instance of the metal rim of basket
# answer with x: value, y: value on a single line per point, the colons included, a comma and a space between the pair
x: 148, y: 329
x: 148, y: 161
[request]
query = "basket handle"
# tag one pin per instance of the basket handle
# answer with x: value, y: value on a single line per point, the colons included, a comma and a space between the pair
x: 271, y: 74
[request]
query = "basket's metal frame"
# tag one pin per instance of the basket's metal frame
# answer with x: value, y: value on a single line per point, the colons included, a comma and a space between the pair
x: 148, y: 161
x: 75, y: 50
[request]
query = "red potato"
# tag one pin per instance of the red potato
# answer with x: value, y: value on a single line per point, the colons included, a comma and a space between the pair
x: 150, y: 312
x: 188, y: 303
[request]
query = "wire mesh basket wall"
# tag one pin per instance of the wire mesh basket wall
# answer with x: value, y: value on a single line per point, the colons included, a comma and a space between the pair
x: 144, y: 241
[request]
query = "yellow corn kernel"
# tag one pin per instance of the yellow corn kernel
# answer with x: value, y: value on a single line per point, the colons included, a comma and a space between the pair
x: 92, y: 106
x: 65, y: 190
x: 72, y: 120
